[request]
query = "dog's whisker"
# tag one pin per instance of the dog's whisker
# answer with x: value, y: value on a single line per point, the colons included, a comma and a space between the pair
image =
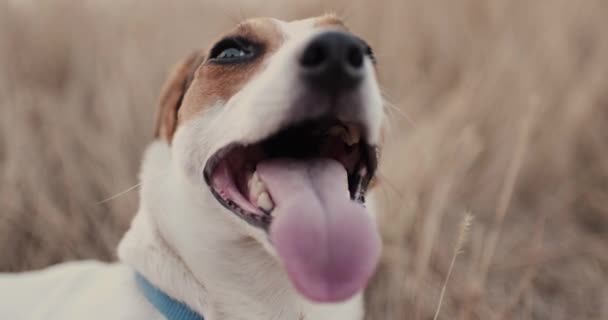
x: 129, y: 189
x: 120, y: 194
x: 392, y: 107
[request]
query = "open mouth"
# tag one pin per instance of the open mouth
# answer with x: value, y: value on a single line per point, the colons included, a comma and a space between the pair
x: 305, y: 186
x: 232, y: 172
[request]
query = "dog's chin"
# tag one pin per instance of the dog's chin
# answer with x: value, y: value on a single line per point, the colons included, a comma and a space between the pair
x: 304, y: 187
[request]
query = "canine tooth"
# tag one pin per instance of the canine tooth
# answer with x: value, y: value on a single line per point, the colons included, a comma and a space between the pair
x: 264, y: 201
x: 353, y: 136
x: 256, y: 186
x: 252, y: 183
x: 349, y: 133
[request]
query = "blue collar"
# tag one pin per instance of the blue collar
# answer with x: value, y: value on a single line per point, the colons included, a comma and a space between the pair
x: 169, y: 307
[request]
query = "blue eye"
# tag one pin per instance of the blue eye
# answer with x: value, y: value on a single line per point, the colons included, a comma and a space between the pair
x: 232, y: 50
x: 231, y: 53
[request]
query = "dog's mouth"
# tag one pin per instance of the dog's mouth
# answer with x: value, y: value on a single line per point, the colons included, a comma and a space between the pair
x: 305, y: 185
x: 232, y: 173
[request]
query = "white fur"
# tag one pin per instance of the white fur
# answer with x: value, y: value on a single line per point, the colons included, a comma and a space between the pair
x: 221, y: 272
x: 182, y: 239
x: 75, y: 290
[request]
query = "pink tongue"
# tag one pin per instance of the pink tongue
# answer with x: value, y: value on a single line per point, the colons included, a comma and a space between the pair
x: 327, y: 242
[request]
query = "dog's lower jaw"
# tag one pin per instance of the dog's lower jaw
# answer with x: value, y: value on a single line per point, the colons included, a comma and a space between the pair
x: 205, y: 262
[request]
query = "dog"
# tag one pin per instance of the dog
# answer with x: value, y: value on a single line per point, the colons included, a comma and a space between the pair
x: 254, y: 199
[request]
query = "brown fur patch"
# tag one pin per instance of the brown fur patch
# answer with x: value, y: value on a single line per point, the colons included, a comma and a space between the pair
x: 194, y: 85
x: 330, y: 20
x: 217, y: 82
x: 171, y: 96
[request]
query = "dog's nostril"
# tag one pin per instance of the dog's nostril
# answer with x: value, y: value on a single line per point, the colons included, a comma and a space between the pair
x: 355, y: 56
x: 314, y: 55
x: 333, y: 61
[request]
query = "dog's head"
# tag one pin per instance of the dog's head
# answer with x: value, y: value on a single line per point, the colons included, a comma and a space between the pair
x: 280, y: 124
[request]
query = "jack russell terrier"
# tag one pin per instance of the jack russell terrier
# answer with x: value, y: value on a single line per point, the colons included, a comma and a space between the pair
x: 253, y: 193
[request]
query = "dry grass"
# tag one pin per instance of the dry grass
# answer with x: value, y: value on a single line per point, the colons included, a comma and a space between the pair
x: 507, y: 104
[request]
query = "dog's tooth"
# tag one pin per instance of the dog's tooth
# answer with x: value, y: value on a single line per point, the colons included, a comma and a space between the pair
x: 252, y: 183
x: 256, y: 186
x: 349, y: 133
x: 264, y: 201
x: 353, y: 136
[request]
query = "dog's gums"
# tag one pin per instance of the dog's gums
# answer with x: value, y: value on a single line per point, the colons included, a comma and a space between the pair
x: 233, y: 177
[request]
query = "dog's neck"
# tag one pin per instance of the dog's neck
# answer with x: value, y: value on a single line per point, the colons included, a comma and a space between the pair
x: 207, y: 264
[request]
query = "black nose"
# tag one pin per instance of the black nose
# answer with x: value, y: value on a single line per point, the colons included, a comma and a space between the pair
x: 333, y: 61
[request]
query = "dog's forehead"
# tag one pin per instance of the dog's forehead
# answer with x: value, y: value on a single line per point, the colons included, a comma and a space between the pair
x: 297, y: 27
x: 275, y: 28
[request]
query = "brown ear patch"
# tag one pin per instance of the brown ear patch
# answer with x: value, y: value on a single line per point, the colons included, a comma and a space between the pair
x: 172, y: 94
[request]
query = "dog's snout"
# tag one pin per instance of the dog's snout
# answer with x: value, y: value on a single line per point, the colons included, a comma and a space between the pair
x: 333, y: 61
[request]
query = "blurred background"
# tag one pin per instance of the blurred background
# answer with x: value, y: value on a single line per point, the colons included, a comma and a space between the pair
x: 497, y: 109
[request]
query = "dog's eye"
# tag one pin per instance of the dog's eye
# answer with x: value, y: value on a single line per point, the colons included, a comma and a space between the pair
x: 232, y: 50
x: 370, y: 53
x: 231, y: 53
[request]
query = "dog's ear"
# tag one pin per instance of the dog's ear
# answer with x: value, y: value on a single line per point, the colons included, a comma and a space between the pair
x: 172, y: 94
